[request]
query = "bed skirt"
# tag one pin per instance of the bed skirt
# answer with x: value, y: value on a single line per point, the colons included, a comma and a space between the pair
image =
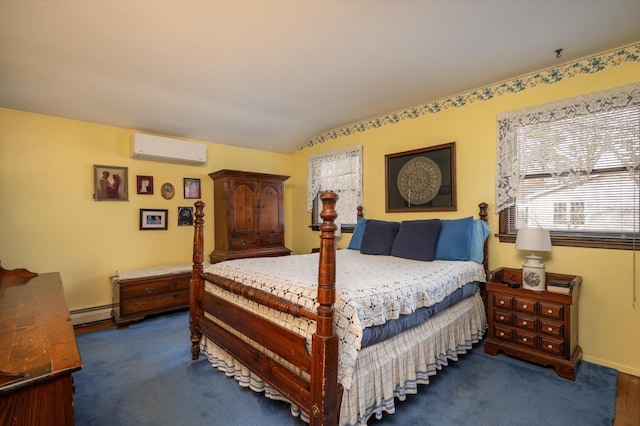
x: 388, y: 370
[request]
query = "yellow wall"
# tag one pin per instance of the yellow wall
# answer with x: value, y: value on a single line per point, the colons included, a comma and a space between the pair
x: 50, y: 222
x: 608, y: 322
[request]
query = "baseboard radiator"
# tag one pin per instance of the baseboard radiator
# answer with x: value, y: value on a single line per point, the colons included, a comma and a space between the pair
x: 88, y: 315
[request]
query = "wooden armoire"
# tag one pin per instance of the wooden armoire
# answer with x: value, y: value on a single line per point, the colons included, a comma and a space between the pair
x: 249, y: 215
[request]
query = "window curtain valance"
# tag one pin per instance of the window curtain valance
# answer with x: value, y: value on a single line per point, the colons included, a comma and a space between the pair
x: 568, y: 139
x: 339, y: 171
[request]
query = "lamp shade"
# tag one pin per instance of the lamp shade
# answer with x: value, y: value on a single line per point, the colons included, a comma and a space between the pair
x: 533, y: 239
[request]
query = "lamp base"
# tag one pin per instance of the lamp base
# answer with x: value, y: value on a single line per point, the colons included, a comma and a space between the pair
x: 534, y: 277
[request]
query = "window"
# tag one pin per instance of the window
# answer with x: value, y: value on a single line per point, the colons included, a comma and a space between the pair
x: 573, y: 167
x: 341, y: 172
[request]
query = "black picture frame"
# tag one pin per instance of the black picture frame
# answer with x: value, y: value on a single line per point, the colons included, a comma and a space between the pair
x: 429, y: 172
x: 185, y: 216
x: 154, y: 219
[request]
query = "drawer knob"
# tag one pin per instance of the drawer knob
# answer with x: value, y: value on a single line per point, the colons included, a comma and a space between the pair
x: 549, y: 311
x: 549, y: 346
x: 549, y: 328
x: 525, y: 306
x: 524, y: 339
x: 524, y: 323
x: 244, y: 242
x: 149, y: 289
x: 502, y: 302
x: 502, y: 334
x: 501, y: 317
x: 140, y: 304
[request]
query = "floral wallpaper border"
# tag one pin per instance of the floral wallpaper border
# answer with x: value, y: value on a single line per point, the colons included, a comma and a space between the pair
x: 589, y: 65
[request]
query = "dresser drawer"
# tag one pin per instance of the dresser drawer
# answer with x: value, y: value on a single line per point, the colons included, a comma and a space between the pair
x: 182, y: 283
x: 503, y: 333
x: 502, y: 300
x: 551, y: 328
x: 551, y: 310
x: 502, y: 317
x: 150, y: 303
x: 526, y: 322
x: 146, y: 288
x: 271, y: 240
x: 523, y: 304
x: 553, y: 346
x: 243, y: 243
x: 526, y: 339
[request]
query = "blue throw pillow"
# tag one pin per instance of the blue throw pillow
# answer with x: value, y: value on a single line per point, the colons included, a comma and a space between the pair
x: 356, y: 237
x: 454, y: 242
x: 378, y: 237
x: 417, y: 239
x: 479, y: 234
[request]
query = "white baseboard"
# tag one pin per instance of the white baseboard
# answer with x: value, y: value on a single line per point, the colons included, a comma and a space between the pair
x: 85, y: 316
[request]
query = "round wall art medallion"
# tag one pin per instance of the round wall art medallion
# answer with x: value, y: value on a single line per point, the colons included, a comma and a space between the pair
x: 419, y: 180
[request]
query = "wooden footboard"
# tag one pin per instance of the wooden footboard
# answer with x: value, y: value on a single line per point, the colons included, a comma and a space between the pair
x: 319, y: 395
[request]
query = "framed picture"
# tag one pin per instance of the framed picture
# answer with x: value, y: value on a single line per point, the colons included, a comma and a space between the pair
x: 144, y: 185
x: 167, y: 190
x: 153, y: 219
x: 110, y: 183
x: 191, y: 188
x: 185, y: 216
x: 421, y: 180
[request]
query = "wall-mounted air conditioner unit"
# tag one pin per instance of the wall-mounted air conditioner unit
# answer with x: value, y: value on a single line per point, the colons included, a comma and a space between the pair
x: 156, y: 148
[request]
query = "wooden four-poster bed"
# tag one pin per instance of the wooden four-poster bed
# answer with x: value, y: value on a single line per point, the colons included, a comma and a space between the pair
x: 308, y: 350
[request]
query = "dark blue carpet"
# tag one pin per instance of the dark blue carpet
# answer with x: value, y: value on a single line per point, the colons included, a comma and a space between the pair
x: 143, y: 375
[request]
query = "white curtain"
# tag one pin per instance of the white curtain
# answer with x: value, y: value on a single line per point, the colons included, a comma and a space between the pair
x: 568, y: 139
x: 341, y: 172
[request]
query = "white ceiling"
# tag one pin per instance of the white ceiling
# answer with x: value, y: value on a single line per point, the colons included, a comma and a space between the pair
x: 271, y: 75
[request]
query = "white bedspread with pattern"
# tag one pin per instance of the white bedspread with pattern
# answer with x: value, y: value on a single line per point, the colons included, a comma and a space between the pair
x: 370, y: 290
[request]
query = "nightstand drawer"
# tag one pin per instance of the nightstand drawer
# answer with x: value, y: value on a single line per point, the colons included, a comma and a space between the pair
x: 551, y: 328
x: 526, y: 339
x: 526, y: 322
x: 525, y: 305
x: 502, y: 300
x: 502, y: 333
x: 502, y: 317
x: 551, y: 310
x: 552, y: 346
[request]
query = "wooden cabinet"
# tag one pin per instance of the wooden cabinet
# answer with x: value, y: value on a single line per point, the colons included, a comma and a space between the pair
x: 539, y: 327
x: 38, y: 351
x: 248, y: 215
x: 133, y: 299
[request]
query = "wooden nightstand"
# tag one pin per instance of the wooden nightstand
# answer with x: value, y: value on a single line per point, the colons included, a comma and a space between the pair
x: 539, y: 327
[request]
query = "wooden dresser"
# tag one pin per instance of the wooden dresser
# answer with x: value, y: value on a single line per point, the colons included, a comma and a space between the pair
x: 248, y: 215
x: 540, y: 327
x: 38, y: 350
x: 133, y: 299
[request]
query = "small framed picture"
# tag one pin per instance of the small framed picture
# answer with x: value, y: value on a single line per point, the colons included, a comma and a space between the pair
x: 110, y: 183
x: 191, y: 188
x: 185, y: 216
x: 144, y: 185
x: 153, y: 219
x: 167, y: 191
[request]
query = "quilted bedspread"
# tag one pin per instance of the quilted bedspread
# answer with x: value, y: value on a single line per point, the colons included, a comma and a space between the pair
x: 370, y: 290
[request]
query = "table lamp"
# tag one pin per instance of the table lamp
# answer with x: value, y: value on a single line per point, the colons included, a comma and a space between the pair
x: 533, y: 272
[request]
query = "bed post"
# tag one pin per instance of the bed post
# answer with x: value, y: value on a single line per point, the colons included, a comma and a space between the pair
x: 484, y: 216
x: 326, y: 394
x: 197, y: 284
